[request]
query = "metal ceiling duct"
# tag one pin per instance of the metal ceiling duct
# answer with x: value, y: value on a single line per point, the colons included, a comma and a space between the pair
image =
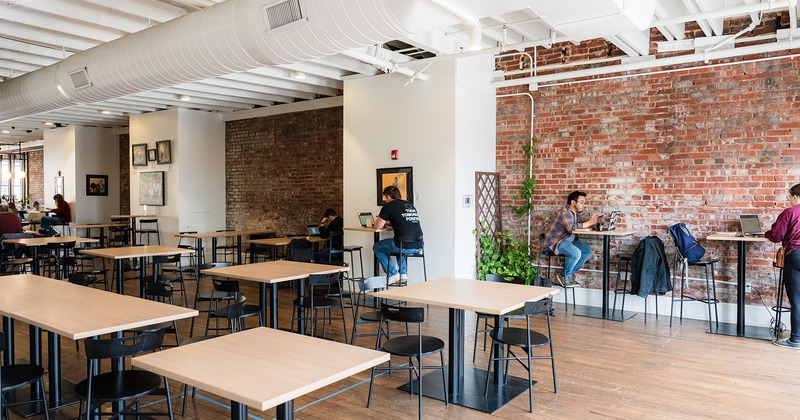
x: 587, y: 19
x: 232, y: 36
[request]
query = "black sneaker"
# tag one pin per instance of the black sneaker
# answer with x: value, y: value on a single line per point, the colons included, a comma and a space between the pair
x: 571, y: 281
x: 559, y: 281
x: 788, y: 343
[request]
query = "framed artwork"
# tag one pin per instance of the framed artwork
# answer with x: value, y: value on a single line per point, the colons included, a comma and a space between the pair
x: 400, y: 178
x: 163, y: 152
x: 96, y: 185
x: 139, y: 154
x: 59, y: 185
x: 151, y: 155
x: 151, y: 188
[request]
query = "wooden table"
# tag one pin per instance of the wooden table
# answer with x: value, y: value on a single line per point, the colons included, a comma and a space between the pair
x: 141, y: 251
x: 89, y: 227
x: 466, y: 385
x: 261, y: 368
x: 198, y: 237
x: 376, y: 236
x: 76, y: 312
x: 603, y: 312
x: 35, y: 243
x: 741, y: 329
x: 284, y: 241
x: 271, y: 273
x: 132, y: 218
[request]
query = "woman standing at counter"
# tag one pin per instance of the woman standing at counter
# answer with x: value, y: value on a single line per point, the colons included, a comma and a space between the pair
x: 785, y: 231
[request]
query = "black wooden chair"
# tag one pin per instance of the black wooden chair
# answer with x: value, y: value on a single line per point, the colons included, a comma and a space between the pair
x: 497, y: 278
x: 17, y: 376
x: 410, y: 346
x: 322, y: 287
x: 404, y: 242
x: 169, y: 269
x: 301, y: 250
x: 121, y: 385
x: 681, y: 264
x: 159, y: 292
x: 527, y: 340
x: 225, y: 289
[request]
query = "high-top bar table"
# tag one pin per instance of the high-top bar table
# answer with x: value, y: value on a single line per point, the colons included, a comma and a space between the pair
x: 465, y: 386
x: 123, y: 253
x: 272, y: 273
x: 88, y: 227
x: 132, y: 218
x: 35, y: 243
x: 603, y: 312
x: 284, y: 241
x: 198, y: 237
x: 376, y: 236
x: 741, y: 330
x: 264, y: 367
x: 76, y: 312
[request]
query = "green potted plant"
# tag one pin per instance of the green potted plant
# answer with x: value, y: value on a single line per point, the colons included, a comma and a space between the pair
x: 502, y: 254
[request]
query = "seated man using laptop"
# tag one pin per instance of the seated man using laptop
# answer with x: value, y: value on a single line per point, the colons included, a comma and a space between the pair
x: 560, y: 237
x: 331, y: 222
x: 404, y: 219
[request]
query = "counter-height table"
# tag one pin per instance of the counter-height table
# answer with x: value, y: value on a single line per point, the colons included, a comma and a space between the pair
x: 132, y: 218
x: 72, y: 311
x: 376, y: 236
x: 271, y: 273
x: 741, y: 330
x: 283, y: 241
x: 88, y: 227
x: 603, y: 312
x: 264, y: 368
x: 119, y: 255
x: 465, y: 385
x: 199, y: 237
x: 35, y: 243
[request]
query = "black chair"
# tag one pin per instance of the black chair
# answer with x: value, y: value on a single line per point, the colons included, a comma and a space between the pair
x: 336, y: 251
x: 321, y: 286
x: 404, y: 242
x: 351, y: 249
x: 121, y: 385
x: 362, y: 287
x: 168, y: 269
x: 527, y: 340
x: 17, y: 376
x: 623, y: 266
x: 545, y: 253
x: 711, y: 288
x: 119, y: 233
x: 259, y: 252
x: 159, y: 292
x: 412, y: 347
x: 214, y: 299
x: 148, y: 227
x: 301, y: 250
x: 497, y: 278
x: 778, y: 308
x: 62, y: 258
x: 226, y: 289
x: 226, y: 249
x: 13, y: 260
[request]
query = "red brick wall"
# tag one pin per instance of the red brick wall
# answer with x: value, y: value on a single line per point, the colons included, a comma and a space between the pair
x: 124, y: 174
x: 283, y: 171
x: 36, y: 176
x: 697, y: 146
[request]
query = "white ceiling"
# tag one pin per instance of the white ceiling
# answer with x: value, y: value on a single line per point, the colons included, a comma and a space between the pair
x: 39, y: 33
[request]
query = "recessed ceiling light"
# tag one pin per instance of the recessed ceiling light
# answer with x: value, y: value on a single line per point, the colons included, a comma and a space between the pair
x: 6, y: 131
x: 48, y: 123
x: 185, y: 98
x: 299, y: 75
x: 105, y: 111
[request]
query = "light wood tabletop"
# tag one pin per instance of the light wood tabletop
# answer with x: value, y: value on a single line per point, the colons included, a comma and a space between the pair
x: 732, y: 236
x: 263, y: 367
x: 469, y: 294
x: 283, y: 241
x: 368, y: 229
x: 615, y: 232
x: 222, y: 234
x: 44, y: 240
x: 135, y: 251
x: 273, y: 271
x: 76, y: 311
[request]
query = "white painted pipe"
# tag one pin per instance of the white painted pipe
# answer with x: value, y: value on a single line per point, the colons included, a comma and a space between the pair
x: 385, y: 65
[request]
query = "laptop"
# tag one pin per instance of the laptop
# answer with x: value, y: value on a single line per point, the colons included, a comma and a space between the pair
x: 366, y: 219
x: 751, y: 226
x: 612, y: 221
x: 313, y: 230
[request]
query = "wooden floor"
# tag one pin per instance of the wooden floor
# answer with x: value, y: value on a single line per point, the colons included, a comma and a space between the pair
x: 605, y: 369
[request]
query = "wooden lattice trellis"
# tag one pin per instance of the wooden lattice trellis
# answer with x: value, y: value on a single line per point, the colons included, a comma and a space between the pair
x: 487, y: 206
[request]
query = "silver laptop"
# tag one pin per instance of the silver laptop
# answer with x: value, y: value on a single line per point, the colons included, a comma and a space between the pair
x: 366, y: 219
x: 751, y: 226
x: 612, y: 221
x: 313, y: 230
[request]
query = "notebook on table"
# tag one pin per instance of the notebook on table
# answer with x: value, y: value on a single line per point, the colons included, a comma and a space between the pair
x: 751, y: 226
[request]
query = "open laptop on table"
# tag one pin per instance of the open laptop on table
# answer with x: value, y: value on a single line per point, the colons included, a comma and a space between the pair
x: 366, y: 219
x: 313, y: 230
x: 751, y: 226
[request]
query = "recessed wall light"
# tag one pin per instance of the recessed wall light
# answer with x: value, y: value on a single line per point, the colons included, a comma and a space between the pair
x: 49, y: 124
x: 5, y: 131
x: 185, y: 98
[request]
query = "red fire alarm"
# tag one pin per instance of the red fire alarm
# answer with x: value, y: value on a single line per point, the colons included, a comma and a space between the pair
x: 394, y: 154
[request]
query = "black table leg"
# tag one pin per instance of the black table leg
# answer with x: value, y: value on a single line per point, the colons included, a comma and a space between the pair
x: 300, y: 312
x: 455, y: 375
x: 35, y: 353
x: 120, y: 276
x: 376, y: 271
x: 741, y: 285
x: 54, y: 365
x: 35, y: 256
x: 273, y: 305
x: 603, y: 312
x: 606, y: 259
x: 239, y: 249
x: 285, y: 411
x: 238, y: 411
x: 8, y: 328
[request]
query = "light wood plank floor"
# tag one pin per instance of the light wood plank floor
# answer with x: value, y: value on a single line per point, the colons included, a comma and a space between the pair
x: 605, y: 369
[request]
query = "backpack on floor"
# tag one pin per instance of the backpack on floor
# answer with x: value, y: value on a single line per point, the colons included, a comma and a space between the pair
x: 687, y: 245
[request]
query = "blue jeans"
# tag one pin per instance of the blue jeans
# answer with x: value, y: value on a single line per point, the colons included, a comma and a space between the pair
x: 382, y: 250
x: 46, y: 222
x: 575, y: 255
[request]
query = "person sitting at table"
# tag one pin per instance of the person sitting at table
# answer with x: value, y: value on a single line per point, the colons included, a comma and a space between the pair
x: 404, y: 219
x: 560, y: 237
x: 35, y: 206
x: 12, y: 208
x: 9, y: 221
x: 331, y: 222
x: 61, y: 214
x: 786, y: 231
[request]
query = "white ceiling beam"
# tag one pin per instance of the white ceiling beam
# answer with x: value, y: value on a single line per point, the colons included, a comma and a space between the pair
x: 635, y: 44
x: 666, y: 9
x: 316, y: 69
x: 211, y: 105
x: 252, y: 80
x: 17, y: 66
x: 347, y: 64
x: 57, y: 23
x: 25, y: 48
x: 42, y: 36
x: 205, y: 95
x: 289, y: 84
x: 158, y: 11
x: 35, y: 60
x: 316, y: 84
x: 236, y: 89
x: 102, y: 16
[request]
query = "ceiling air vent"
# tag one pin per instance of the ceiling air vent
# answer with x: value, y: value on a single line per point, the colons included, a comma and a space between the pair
x: 283, y: 13
x: 80, y: 79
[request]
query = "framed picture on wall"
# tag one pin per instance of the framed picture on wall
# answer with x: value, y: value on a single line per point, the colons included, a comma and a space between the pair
x: 139, y: 154
x: 151, y: 188
x: 400, y: 178
x: 59, y: 186
x: 151, y: 155
x: 163, y: 152
x: 96, y: 185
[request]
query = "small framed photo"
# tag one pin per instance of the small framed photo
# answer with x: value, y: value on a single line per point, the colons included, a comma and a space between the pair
x: 96, y: 185
x: 139, y: 154
x: 151, y: 155
x: 163, y: 152
x: 402, y: 178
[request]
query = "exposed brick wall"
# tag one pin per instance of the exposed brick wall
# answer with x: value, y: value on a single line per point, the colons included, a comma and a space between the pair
x: 124, y: 174
x: 36, y: 176
x: 283, y: 171
x: 700, y: 146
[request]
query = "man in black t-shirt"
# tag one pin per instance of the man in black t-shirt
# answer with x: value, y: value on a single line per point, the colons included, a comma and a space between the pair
x: 405, y: 222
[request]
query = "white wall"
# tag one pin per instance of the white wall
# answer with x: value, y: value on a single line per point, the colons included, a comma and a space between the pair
x: 194, y: 181
x: 59, y: 156
x: 422, y: 121
x: 96, y: 153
